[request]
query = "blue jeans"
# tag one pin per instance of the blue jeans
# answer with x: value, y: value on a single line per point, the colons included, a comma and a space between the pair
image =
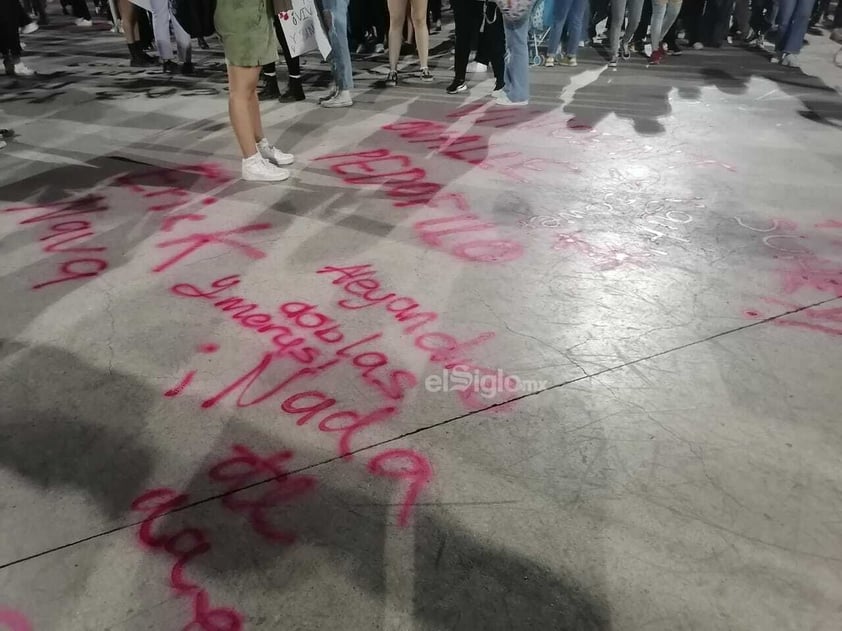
x: 618, y: 13
x: 793, y: 20
x: 336, y: 19
x: 570, y: 13
x: 517, y: 62
x: 664, y: 14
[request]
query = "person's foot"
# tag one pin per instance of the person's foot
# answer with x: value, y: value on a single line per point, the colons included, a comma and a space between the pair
x: 836, y: 34
x: 625, y: 51
x: 170, y: 67
x: 187, y: 68
x: 456, y: 87
x: 639, y: 47
x: 293, y: 93
x: 360, y: 49
x: 257, y: 169
x: 426, y: 76
x: 657, y: 57
x: 84, y: 22
x: 270, y: 90
x: 391, y: 79
x: 614, y: 61
x: 436, y: 26
x: 273, y: 154
x: 776, y: 57
x: 379, y: 49
x: 569, y: 61
x: 28, y: 29
x: 674, y: 49
x: 340, y: 99
x: 698, y: 46
x: 549, y: 62
x: 19, y: 69
x: 504, y: 101
x: 203, y: 44
x: 476, y: 66
x: 790, y: 60
x: 760, y: 42
x: 498, y: 91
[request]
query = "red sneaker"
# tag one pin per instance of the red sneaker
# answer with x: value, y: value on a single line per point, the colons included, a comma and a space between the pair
x: 657, y: 57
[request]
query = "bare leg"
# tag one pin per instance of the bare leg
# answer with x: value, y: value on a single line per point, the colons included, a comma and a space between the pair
x: 127, y: 17
x: 422, y: 35
x: 397, y: 16
x: 242, y: 86
x: 254, y: 115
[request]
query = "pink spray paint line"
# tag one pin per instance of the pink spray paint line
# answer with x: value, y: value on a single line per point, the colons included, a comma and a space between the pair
x: 11, y: 620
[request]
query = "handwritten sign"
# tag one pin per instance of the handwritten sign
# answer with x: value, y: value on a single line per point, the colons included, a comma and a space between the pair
x: 303, y: 29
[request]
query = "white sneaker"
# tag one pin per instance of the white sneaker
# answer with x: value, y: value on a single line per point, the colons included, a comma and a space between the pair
x: 29, y: 28
x: 698, y: 46
x: 257, y: 169
x: 340, y: 99
x: 505, y: 101
x: 497, y: 93
x: 2, y: 143
x: 19, y: 69
x: 273, y: 154
x: 378, y: 49
x: 790, y: 60
x: 84, y: 22
x: 475, y: 66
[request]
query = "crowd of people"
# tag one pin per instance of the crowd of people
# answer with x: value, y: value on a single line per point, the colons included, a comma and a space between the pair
x: 498, y: 30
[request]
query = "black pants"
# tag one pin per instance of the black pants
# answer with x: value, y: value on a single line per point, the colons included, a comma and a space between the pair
x: 692, y: 13
x: 715, y: 21
x: 469, y: 16
x: 761, y: 13
x: 80, y: 9
x: 9, y: 25
x: 293, y: 63
x: 599, y: 10
x: 821, y: 8
x: 434, y: 7
x: 368, y: 16
x: 837, y: 19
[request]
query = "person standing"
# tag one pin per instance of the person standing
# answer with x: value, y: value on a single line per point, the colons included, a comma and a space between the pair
x: 397, y: 18
x: 559, y: 14
x: 81, y: 13
x: 516, y: 19
x: 128, y: 18
x: 482, y: 18
x: 248, y: 38
x: 335, y: 14
x: 295, y: 88
x: 618, y: 11
x: 10, y: 39
x: 664, y: 14
x: 162, y: 20
x: 793, y: 21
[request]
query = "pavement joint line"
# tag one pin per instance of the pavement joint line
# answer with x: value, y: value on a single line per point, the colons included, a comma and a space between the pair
x: 419, y: 430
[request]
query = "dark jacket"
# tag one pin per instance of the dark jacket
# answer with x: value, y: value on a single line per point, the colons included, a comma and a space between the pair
x: 196, y: 16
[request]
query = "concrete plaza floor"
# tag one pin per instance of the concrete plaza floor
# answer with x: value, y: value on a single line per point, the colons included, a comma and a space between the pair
x: 568, y: 367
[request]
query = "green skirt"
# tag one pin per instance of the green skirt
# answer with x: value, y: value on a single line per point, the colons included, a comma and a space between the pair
x: 247, y: 33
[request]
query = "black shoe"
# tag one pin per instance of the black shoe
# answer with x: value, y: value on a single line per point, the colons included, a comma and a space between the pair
x: 187, y: 68
x: 170, y: 67
x: 674, y: 50
x: 456, y: 87
x: 270, y: 90
x: 293, y: 93
x: 203, y: 44
x: 139, y: 58
x: 391, y: 80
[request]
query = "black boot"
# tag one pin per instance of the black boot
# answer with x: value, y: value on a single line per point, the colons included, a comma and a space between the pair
x: 139, y: 58
x: 294, y: 91
x: 270, y: 90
